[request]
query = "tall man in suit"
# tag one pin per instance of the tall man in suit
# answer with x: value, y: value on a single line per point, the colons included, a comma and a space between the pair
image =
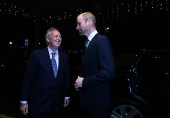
x: 43, y: 89
x: 97, y: 69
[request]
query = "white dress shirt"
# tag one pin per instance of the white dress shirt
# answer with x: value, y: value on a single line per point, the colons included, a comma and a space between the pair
x: 90, y: 37
x: 56, y: 56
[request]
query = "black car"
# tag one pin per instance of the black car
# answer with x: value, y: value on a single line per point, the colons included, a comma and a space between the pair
x: 145, y: 91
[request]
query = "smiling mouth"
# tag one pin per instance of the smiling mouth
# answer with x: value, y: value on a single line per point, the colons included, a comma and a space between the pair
x: 58, y: 41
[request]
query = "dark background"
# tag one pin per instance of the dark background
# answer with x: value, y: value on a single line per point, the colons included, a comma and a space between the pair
x: 133, y: 25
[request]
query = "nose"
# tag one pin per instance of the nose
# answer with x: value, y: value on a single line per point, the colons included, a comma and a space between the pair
x: 58, y: 38
x: 77, y: 27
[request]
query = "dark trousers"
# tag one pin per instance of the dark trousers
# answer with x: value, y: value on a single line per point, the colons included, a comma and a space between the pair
x: 51, y: 113
x: 96, y: 112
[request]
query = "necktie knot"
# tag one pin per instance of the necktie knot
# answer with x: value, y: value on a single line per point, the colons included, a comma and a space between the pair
x: 87, y: 43
x: 53, y: 54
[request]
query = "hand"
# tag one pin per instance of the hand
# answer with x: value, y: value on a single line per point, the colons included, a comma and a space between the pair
x: 24, y: 108
x: 66, y: 102
x: 78, y: 82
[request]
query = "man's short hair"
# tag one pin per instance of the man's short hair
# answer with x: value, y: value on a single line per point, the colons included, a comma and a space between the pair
x: 89, y: 15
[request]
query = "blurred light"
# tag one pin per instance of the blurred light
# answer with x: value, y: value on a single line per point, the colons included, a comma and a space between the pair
x: 60, y: 47
x: 10, y: 43
x: 107, y: 29
x: 26, y: 42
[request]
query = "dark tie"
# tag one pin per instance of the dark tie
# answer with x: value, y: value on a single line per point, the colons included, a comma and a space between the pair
x: 54, y: 64
x: 87, y: 43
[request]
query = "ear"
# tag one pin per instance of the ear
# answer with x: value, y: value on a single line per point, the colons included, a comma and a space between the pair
x: 47, y: 40
x: 89, y: 22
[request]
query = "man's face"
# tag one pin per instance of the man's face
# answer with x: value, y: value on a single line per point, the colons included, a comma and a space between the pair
x: 54, y: 39
x: 81, y: 25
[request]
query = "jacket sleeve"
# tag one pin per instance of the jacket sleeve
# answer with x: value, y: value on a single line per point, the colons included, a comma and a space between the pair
x: 67, y: 78
x: 28, y: 77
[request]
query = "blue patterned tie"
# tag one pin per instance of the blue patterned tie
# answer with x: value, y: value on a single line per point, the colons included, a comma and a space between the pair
x: 54, y: 64
x: 87, y: 43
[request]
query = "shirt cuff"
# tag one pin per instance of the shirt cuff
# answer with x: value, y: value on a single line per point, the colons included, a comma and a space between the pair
x: 23, y: 102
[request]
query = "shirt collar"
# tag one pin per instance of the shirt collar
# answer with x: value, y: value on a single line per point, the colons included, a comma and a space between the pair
x: 50, y: 51
x: 90, y: 37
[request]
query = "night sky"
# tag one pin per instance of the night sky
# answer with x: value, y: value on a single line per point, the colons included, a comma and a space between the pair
x: 148, y: 29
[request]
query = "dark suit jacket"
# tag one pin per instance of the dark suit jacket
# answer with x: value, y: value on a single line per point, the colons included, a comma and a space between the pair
x: 97, y: 71
x: 40, y: 87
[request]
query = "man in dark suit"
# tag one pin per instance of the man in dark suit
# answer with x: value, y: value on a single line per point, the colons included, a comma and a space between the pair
x: 45, y: 87
x: 97, y: 69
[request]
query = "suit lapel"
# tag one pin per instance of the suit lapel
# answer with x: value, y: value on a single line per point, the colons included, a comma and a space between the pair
x: 46, y: 56
x: 91, y: 45
x: 92, y: 42
x: 60, y: 61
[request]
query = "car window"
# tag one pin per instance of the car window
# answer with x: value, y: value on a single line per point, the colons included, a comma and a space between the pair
x: 153, y: 72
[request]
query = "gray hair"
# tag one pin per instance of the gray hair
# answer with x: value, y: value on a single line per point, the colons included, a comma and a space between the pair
x: 48, y: 33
